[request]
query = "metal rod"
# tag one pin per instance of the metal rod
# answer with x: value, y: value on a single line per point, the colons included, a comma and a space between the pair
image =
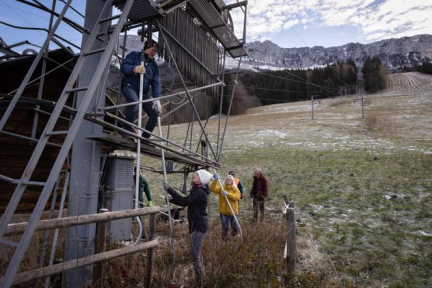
x: 42, y: 80
x: 33, y: 140
x: 221, y: 101
x: 168, y: 202
x: 160, y: 97
x: 229, y: 109
x: 312, y: 104
x: 119, y: 88
x: 167, y: 141
x: 138, y: 151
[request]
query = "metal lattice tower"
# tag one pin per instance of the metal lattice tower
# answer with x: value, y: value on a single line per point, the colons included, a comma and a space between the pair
x: 81, y: 104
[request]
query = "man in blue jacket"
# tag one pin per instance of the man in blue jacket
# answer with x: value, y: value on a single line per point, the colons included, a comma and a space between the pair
x: 131, y: 68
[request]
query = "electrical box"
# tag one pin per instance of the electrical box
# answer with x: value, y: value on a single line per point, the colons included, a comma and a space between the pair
x: 119, y: 191
x: 119, y: 174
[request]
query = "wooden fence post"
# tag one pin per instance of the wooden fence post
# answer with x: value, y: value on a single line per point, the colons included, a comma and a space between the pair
x: 149, y: 266
x: 291, y: 241
x: 99, y: 269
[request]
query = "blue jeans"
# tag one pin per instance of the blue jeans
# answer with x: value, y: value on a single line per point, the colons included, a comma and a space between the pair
x: 226, y: 220
x: 131, y: 95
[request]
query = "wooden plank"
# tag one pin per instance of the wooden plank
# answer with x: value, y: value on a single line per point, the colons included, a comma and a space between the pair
x: 54, y: 269
x: 80, y: 220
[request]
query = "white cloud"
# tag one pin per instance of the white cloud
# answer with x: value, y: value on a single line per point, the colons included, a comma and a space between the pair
x: 391, y: 18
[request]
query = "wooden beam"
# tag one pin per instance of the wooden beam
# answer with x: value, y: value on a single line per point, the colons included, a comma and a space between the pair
x: 54, y: 269
x: 65, y: 222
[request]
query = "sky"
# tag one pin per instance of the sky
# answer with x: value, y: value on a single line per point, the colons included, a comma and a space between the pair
x: 288, y: 23
x: 300, y: 23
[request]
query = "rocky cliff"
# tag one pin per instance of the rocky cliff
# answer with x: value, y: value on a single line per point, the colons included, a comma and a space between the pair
x: 394, y: 53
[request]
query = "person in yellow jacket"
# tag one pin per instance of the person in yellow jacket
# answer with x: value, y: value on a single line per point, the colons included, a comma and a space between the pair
x: 228, y: 191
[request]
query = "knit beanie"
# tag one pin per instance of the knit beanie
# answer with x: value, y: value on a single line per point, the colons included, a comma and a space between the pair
x: 149, y: 44
x: 205, y: 176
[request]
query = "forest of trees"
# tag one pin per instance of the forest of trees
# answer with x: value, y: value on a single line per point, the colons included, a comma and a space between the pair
x: 426, y: 68
x: 272, y: 87
x: 374, y: 75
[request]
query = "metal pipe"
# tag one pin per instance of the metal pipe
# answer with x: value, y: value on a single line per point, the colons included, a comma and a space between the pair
x: 42, y: 80
x: 166, y: 148
x: 33, y: 140
x: 221, y: 101
x: 229, y: 109
x: 160, y: 97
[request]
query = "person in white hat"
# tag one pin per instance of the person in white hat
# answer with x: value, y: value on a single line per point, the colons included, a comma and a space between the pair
x: 196, y: 202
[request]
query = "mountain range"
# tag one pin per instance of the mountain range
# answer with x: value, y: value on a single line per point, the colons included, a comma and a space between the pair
x: 394, y: 54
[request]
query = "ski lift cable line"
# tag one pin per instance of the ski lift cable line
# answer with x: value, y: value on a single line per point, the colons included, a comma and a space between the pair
x: 39, y: 29
x: 23, y: 11
x: 324, y: 88
x: 271, y: 89
x: 13, y: 10
x: 303, y: 81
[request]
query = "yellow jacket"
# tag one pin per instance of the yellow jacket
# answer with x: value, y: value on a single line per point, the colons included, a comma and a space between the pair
x: 233, y: 197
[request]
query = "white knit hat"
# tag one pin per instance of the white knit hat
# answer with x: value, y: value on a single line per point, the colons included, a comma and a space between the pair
x: 205, y: 176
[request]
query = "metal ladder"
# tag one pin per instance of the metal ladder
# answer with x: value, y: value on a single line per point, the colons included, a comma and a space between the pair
x: 22, y: 245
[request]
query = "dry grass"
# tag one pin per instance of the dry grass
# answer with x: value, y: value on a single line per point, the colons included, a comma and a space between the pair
x: 361, y: 187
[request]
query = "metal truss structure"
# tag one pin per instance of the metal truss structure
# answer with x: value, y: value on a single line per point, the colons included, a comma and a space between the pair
x: 58, y: 121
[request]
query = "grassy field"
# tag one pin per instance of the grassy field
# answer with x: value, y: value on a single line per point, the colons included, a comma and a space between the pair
x: 362, y: 187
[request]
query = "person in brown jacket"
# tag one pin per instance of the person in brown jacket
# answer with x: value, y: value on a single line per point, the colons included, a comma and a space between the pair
x: 259, y: 192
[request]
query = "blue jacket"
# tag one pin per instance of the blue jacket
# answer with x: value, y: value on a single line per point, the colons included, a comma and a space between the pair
x: 151, y: 77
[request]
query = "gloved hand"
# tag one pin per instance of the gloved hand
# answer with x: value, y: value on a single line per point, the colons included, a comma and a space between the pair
x: 216, y: 176
x: 166, y: 186
x: 157, y: 106
x: 139, y: 69
x: 224, y: 193
x: 149, y: 203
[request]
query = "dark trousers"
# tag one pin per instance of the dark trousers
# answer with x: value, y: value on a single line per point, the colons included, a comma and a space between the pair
x: 226, y: 221
x: 197, y: 240
x: 131, y: 95
x: 258, y: 207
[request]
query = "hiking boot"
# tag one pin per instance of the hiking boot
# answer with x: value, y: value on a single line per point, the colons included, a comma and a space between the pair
x: 129, y: 137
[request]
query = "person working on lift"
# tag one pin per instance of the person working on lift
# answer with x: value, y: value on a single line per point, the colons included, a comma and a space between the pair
x: 131, y: 68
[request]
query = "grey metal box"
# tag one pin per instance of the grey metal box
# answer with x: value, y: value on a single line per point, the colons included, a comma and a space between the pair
x: 119, y: 192
x: 121, y: 229
x: 119, y: 175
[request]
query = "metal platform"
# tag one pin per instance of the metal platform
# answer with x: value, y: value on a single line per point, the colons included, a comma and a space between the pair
x: 145, y: 10
x: 218, y: 27
x: 153, y: 151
